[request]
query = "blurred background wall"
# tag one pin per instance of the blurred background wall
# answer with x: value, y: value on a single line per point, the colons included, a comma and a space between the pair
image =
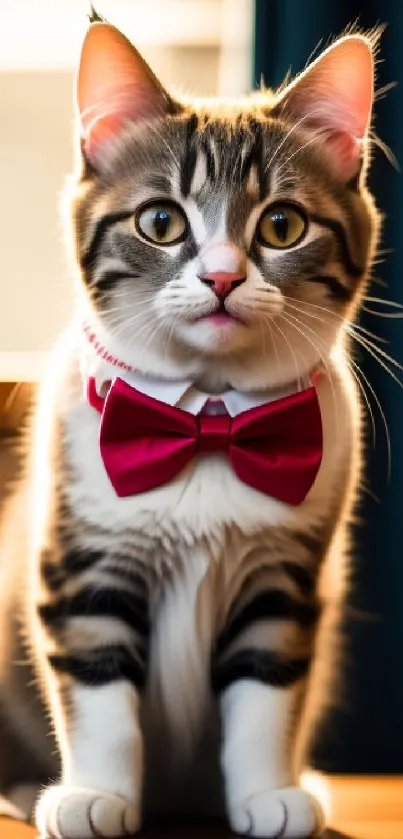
x: 364, y: 730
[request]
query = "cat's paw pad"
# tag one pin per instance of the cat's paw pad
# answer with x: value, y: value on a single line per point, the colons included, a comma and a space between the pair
x: 80, y: 813
x: 288, y: 813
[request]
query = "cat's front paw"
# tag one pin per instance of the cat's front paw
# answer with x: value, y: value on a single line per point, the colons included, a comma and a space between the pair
x: 288, y: 813
x: 65, y: 812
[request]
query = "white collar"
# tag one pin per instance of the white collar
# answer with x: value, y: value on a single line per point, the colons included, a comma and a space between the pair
x: 176, y: 392
x: 183, y: 394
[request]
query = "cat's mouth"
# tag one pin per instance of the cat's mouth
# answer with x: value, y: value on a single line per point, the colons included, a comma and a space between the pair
x: 220, y: 316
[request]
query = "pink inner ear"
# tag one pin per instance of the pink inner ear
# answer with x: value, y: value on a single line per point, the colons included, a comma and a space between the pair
x: 115, y: 85
x: 100, y: 128
x: 335, y: 95
x: 346, y: 151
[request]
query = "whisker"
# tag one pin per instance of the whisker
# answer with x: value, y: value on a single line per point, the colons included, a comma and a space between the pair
x: 391, y: 315
x: 128, y: 323
x: 382, y: 301
x: 262, y: 326
x: 169, y: 335
x: 291, y: 348
x: 348, y: 326
x: 317, y: 350
x: 313, y: 315
x: 123, y: 309
x: 366, y: 489
x: 274, y: 342
x: 390, y: 157
x: 315, y: 306
x: 366, y: 342
x: 355, y: 370
x: 120, y: 329
x: 362, y: 342
x: 384, y: 420
x: 152, y: 335
x: 146, y: 328
x: 356, y: 326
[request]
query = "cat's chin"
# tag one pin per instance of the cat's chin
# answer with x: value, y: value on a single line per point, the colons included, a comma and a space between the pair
x: 216, y: 335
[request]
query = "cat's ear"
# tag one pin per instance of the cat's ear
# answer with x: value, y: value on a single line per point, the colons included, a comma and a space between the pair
x: 114, y: 86
x: 334, y: 96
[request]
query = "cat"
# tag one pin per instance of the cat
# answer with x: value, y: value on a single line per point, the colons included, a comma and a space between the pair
x: 176, y: 618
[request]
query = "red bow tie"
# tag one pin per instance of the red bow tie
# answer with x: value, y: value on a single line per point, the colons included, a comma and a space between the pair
x: 275, y: 448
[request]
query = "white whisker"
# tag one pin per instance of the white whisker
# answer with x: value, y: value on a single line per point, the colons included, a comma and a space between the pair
x: 315, y: 306
x: 384, y: 421
x: 356, y: 371
x: 317, y: 350
x: 292, y: 351
x: 365, y: 342
x: 391, y: 315
x: 383, y: 301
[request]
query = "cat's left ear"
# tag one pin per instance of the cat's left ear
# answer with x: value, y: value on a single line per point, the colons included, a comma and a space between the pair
x: 114, y: 86
x: 334, y: 97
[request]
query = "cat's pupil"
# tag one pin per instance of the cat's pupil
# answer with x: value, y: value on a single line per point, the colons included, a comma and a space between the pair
x: 162, y: 221
x: 280, y: 224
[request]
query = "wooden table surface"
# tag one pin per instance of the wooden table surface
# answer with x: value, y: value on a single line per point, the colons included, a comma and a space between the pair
x: 360, y: 808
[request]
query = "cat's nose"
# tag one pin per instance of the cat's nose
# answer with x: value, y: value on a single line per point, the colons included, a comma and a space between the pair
x: 222, y: 282
x: 223, y: 267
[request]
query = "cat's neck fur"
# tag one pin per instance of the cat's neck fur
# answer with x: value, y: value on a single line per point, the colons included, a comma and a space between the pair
x: 212, y: 375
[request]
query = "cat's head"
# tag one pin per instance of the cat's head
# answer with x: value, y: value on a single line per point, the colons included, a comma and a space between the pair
x: 227, y: 240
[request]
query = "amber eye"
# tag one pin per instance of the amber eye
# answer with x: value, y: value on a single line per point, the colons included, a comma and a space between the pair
x: 281, y: 226
x: 162, y: 223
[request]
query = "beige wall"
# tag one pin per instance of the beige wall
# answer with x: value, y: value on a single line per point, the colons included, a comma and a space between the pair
x: 35, y: 153
x: 35, y: 156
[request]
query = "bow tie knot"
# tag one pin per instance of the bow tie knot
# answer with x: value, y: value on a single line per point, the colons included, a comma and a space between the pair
x: 213, y: 433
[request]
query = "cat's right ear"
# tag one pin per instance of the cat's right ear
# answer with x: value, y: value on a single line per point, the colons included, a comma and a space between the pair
x: 115, y: 86
x: 334, y: 97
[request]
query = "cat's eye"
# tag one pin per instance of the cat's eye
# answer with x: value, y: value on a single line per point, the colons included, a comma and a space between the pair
x: 281, y: 226
x: 163, y: 223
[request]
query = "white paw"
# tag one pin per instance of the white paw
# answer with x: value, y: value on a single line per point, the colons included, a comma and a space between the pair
x: 288, y: 813
x: 81, y: 813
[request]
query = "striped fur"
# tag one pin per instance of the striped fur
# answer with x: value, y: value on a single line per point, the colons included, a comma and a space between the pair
x: 146, y: 616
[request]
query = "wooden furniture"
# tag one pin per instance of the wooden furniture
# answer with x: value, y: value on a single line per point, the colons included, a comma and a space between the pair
x: 367, y: 807
x: 361, y: 807
x: 10, y: 829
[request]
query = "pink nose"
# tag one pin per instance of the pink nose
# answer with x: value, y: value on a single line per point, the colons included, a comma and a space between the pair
x: 222, y: 282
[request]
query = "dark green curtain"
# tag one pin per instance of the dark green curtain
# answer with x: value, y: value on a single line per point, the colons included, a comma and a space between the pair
x: 364, y: 731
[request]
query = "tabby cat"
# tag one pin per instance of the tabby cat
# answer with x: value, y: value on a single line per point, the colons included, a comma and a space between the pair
x: 197, y: 452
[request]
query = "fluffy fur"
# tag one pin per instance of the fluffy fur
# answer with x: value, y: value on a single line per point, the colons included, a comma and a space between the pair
x: 155, y: 619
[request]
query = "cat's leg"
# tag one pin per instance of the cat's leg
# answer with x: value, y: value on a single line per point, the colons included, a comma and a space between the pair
x: 260, y: 670
x: 92, y: 629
